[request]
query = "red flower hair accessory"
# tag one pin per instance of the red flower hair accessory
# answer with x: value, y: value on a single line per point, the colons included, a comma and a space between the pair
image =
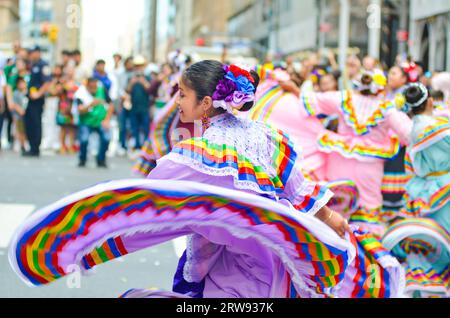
x: 237, y: 71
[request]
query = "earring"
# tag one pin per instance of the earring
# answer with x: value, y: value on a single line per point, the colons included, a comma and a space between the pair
x: 205, y: 121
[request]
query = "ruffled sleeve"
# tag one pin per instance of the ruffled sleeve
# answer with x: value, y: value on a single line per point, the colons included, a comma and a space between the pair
x: 306, y: 196
x: 401, y: 124
x: 317, y: 104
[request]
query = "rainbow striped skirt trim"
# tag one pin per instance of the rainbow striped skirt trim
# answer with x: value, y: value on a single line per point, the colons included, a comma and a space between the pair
x: 117, y: 218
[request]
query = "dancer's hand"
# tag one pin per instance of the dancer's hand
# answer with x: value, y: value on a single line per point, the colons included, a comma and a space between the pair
x: 334, y: 220
x: 338, y: 223
x: 290, y: 87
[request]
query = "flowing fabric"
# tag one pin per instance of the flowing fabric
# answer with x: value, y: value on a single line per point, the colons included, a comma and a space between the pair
x: 369, y: 133
x: 422, y: 239
x: 280, y: 109
x: 423, y: 246
x: 282, y: 248
x: 246, y: 199
x: 159, y: 140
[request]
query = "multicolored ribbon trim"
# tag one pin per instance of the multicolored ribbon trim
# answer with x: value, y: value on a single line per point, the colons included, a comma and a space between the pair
x: 365, y: 215
x: 346, y: 196
x: 411, y: 224
x: 39, y: 249
x: 372, y: 122
x: 147, y: 160
x: 372, y: 280
x: 417, y: 246
x: 223, y: 156
x: 111, y: 249
x: 419, y: 207
x: 331, y: 142
x: 306, y: 102
x: 161, y: 128
x: 394, y: 182
x: 431, y: 135
x: 417, y: 279
x: 267, y: 101
x: 409, y: 169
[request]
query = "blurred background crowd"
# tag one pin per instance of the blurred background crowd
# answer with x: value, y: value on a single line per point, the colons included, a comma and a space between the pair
x: 55, y: 64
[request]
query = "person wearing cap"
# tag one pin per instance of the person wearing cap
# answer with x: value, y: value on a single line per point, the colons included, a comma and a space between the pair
x: 138, y: 87
x: 39, y: 84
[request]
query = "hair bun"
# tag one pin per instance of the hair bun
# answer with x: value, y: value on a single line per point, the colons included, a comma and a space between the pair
x: 416, y: 96
x: 366, y: 79
x: 413, y: 94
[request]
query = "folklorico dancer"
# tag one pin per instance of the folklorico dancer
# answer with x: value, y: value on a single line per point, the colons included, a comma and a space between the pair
x: 281, y: 109
x: 369, y: 133
x: 395, y: 176
x: 257, y: 228
x: 422, y: 241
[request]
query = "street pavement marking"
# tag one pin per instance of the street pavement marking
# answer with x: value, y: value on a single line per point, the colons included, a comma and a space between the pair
x: 179, y: 244
x: 11, y: 216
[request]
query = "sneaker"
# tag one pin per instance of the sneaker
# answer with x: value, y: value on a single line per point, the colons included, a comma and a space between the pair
x: 82, y: 164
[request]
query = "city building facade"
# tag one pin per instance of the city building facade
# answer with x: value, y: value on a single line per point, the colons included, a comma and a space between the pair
x: 430, y: 33
x: 9, y: 24
x: 54, y: 25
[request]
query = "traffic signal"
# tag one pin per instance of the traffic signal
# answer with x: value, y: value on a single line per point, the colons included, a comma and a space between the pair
x: 53, y: 33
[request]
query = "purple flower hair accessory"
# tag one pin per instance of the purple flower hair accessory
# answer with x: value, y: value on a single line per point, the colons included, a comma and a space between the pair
x: 224, y: 89
x: 233, y: 92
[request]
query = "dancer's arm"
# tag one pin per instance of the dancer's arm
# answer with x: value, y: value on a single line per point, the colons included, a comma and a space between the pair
x: 401, y: 124
x: 291, y: 87
x: 315, y: 103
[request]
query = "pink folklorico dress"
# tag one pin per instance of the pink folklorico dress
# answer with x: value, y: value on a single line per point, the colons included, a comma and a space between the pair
x: 369, y: 133
x: 364, y: 141
x: 239, y: 194
x: 280, y: 109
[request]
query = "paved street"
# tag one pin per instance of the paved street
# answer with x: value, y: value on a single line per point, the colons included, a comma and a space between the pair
x: 29, y: 184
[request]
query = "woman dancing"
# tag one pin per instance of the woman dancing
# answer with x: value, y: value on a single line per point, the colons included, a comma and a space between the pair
x: 256, y: 226
x: 363, y: 141
x: 422, y: 241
